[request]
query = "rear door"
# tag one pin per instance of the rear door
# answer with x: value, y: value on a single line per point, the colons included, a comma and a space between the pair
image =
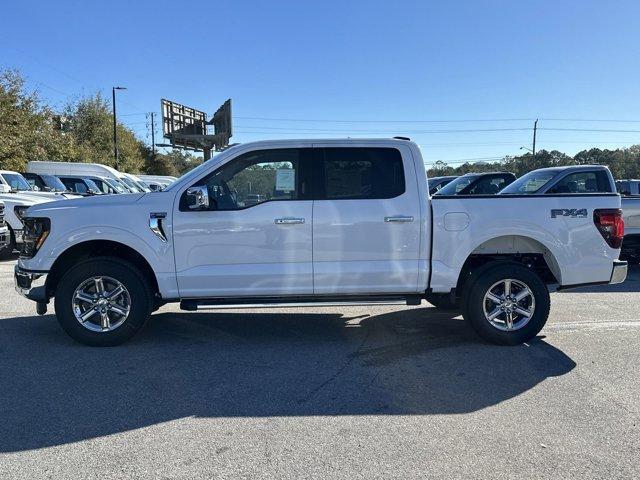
x: 366, y: 221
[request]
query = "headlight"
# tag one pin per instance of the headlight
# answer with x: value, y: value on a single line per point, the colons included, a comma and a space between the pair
x: 36, y: 231
x: 20, y: 210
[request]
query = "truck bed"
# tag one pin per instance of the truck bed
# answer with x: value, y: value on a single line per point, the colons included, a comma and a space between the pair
x: 559, y: 227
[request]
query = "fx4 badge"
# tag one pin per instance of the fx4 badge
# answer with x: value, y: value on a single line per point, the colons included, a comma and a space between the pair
x: 569, y: 212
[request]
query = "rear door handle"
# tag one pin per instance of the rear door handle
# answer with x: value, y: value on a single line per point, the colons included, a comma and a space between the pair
x: 398, y: 219
x: 288, y: 221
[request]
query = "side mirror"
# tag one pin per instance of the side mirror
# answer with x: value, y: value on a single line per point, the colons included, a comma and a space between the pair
x: 4, y: 188
x: 35, y: 188
x: 198, y: 198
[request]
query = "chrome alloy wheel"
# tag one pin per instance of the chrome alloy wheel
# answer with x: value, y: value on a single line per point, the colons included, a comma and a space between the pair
x: 509, y: 304
x: 101, y: 304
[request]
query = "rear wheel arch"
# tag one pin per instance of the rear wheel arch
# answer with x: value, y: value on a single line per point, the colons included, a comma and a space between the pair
x: 519, y: 249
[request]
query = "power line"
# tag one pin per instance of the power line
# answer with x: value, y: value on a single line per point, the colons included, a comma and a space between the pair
x: 385, y: 121
x: 460, y: 120
x: 470, y: 130
x: 465, y: 130
x: 588, y: 130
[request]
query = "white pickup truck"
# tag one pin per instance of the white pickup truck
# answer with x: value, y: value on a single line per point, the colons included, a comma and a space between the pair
x: 335, y: 222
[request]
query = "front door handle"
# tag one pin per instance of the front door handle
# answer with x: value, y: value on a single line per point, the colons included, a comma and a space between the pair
x: 288, y: 220
x: 398, y: 219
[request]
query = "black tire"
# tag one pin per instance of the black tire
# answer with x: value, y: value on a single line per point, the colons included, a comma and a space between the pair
x: 7, y: 252
x: 474, y: 304
x: 141, y: 300
x: 443, y: 301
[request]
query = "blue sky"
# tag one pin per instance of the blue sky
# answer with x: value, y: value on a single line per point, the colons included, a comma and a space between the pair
x: 351, y: 68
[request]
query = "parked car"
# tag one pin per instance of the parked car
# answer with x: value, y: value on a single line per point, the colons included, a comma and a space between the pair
x: 108, y: 186
x: 630, y: 191
x: 18, y: 184
x: 135, y: 183
x: 488, y: 183
x: 45, y: 183
x: 628, y: 187
x: 436, y: 183
x: 15, y: 204
x: 157, y: 182
x: 80, y: 185
x: 362, y: 228
x: 562, y: 180
x: 84, y: 170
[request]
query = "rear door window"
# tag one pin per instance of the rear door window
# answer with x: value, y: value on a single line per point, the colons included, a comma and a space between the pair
x: 359, y: 173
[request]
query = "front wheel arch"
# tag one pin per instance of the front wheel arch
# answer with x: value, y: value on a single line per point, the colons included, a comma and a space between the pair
x: 99, y: 248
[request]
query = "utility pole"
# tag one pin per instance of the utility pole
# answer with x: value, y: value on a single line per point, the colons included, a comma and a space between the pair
x: 535, y: 129
x: 153, y: 135
x: 115, y: 124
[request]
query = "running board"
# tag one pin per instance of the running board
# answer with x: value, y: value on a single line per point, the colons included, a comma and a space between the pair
x: 287, y: 302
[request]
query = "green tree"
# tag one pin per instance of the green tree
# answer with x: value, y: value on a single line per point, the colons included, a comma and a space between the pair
x: 27, y: 130
x: 175, y: 163
x: 90, y: 122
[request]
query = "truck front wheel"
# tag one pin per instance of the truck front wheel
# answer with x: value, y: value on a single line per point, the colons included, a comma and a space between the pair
x: 103, y: 301
x: 507, y: 304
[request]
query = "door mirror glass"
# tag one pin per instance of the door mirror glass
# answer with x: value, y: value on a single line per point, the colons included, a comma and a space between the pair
x: 198, y: 198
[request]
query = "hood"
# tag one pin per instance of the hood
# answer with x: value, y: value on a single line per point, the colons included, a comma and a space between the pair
x: 120, y: 200
x: 14, y: 199
x: 48, y: 196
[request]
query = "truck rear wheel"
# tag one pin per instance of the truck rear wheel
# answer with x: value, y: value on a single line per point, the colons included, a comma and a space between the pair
x: 507, y: 304
x: 102, y: 302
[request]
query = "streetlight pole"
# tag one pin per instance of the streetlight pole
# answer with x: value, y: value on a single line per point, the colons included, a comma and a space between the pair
x: 535, y: 130
x: 115, y: 124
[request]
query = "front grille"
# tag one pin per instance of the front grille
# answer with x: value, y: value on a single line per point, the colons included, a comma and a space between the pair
x: 2, y: 222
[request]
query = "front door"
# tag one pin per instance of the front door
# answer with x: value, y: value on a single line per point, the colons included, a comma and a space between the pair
x: 254, y: 239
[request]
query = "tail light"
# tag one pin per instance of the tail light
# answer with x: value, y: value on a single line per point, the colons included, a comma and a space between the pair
x: 610, y: 224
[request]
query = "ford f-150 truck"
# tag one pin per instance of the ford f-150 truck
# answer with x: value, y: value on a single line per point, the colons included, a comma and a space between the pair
x: 336, y: 222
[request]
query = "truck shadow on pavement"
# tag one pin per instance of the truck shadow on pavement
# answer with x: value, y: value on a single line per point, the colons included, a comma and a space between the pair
x: 405, y: 362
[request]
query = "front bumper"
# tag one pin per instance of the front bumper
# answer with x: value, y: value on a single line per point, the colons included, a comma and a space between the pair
x: 619, y: 272
x: 31, y: 284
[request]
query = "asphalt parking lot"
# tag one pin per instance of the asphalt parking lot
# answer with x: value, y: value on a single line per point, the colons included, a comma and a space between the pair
x: 367, y: 392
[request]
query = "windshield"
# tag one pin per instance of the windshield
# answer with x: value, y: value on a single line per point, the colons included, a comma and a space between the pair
x: 142, y: 186
x: 530, y: 183
x: 114, y: 184
x: 453, y: 187
x: 92, y: 185
x: 436, y: 183
x: 53, y: 183
x: 129, y: 183
x: 17, y: 182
